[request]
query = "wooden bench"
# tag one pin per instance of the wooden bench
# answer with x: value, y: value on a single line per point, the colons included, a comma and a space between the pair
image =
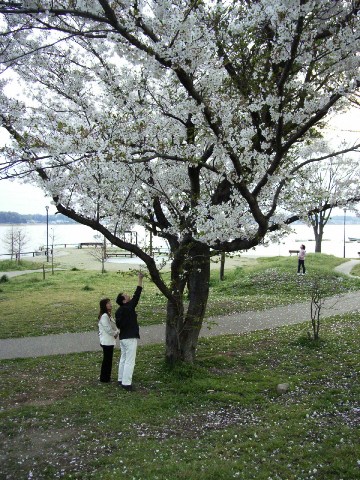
x: 293, y: 251
x: 119, y: 254
x: 90, y: 244
x: 160, y: 251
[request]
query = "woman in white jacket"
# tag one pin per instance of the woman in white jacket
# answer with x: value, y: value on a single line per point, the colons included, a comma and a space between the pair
x: 107, y: 334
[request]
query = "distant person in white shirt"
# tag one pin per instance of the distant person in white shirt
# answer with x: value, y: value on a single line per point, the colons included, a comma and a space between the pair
x: 301, y: 260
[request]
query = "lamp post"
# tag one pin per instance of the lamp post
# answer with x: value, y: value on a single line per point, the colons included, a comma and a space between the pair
x: 47, y: 233
x: 344, y: 228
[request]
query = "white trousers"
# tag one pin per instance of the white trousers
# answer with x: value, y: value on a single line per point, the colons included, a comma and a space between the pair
x: 128, y: 348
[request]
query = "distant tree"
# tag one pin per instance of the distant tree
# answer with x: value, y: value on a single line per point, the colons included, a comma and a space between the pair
x: 15, y: 240
x: 99, y: 252
x: 15, y: 218
x: 11, y: 217
x: 324, y: 184
x: 9, y: 242
x: 21, y: 240
x: 339, y: 175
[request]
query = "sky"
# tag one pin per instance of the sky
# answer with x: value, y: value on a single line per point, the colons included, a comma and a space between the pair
x: 26, y: 199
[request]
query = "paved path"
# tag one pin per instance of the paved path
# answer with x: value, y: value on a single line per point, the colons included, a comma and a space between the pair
x: 347, y: 267
x: 231, y: 324
x: 16, y: 273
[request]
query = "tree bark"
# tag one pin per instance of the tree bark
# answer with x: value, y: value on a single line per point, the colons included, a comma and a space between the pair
x: 183, y: 328
x: 318, y: 233
x: 318, y: 224
x: 222, y: 266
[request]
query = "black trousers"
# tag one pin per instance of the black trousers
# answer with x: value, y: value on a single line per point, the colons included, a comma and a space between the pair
x: 106, y: 366
x: 301, y: 263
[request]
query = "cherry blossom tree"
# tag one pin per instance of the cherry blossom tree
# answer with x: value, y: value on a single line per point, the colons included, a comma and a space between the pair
x: 191, y: 118
x: 324, y: 185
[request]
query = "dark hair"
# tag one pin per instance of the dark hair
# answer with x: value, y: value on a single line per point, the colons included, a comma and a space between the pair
x: 103, y: 308
x: 120, y: 299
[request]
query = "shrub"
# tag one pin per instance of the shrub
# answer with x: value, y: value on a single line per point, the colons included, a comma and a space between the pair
x: 87, y: 288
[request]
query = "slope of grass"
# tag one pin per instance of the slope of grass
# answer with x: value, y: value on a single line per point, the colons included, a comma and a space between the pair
x: 273, y: 281
x: 356, y: 270
x: 68, y: 301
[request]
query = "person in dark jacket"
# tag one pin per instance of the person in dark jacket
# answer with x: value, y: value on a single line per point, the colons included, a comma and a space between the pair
x: 126, y: 321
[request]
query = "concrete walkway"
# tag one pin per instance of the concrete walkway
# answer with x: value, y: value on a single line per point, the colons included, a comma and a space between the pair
x: 346, y: 267
x: 230, y: 324
x: 16, y: 273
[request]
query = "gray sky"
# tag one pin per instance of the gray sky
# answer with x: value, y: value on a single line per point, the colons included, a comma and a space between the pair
x: 23, y: 198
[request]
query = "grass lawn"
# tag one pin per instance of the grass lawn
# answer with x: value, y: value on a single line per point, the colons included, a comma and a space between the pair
x: 12, y: 265
x: 219, y: 420
x: 68, y: 300
x: 356, y: 270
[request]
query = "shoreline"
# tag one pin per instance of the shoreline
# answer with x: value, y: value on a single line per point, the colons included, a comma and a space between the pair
x: 82, y: 259
x: 70, y: 235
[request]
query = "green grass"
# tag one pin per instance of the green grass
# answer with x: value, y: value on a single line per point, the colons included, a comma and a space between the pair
x: 356, y: 270
x: 220, y: 419
x: 12, y: 265
x: 68, y: 300
x: 272, y: 281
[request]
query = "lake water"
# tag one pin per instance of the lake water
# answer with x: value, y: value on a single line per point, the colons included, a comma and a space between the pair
x: 73, y: 234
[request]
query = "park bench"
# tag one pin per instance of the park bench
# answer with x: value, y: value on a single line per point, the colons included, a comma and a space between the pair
x: 293, y: 251
x: 122, y: 254
x: 160, y: 251
x: 90, y: 244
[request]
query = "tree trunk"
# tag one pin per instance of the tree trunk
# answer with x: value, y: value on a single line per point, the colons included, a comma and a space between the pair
x: 182, y: 329
x: 318, y: 233
x: 318, y: 222
x: 222, y: 266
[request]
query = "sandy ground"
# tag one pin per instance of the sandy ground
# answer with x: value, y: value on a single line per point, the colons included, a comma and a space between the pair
x: 84, y: 259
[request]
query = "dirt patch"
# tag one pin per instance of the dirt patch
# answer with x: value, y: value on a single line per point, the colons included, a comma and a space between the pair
x: 197, y: 425
x: 39, y: 454
x: 39, y: 394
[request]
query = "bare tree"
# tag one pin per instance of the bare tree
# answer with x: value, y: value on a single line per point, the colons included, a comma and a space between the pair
x: 317, y: 301
x: 9, y: 241
x: 21, y: 240
x: 319, y: 289
x: 99, y: 253
x: 16, y: 239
